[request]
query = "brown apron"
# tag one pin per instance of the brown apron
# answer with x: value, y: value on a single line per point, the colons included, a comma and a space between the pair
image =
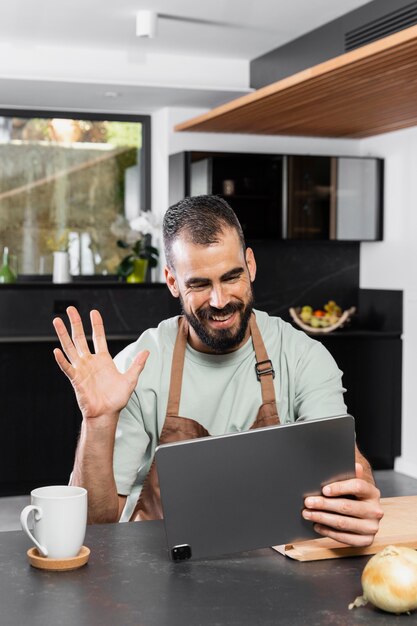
x: 148, y: 506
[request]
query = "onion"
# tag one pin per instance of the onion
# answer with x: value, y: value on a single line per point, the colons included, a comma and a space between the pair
x: 389, y: 580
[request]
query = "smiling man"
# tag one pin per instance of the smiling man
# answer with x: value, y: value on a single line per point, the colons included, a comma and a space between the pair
x: 214, y: 288
x: 221, y: 367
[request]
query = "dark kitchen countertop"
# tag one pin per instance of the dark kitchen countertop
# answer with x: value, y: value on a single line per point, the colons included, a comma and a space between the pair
x: 130, y: 580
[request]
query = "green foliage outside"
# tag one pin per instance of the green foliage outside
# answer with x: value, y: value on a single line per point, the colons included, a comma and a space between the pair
x: 124, y: 134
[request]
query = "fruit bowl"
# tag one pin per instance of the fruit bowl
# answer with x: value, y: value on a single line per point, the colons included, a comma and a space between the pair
x: 321, y: 321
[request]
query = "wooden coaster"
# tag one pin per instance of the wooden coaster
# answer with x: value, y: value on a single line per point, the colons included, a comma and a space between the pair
x: 58, y: 565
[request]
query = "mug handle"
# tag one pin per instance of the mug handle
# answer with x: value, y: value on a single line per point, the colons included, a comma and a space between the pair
x: 24, y: 522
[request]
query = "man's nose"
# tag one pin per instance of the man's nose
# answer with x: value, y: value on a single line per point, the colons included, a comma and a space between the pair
x: 218, y: 297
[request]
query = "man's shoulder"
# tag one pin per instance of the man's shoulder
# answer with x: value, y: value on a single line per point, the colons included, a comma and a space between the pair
x: 165, y: 331
x: 274, y: 327
x: 307, y: 355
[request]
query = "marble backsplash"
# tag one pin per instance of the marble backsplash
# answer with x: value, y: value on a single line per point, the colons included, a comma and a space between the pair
x: 289, y: 274
x: 294, y: 273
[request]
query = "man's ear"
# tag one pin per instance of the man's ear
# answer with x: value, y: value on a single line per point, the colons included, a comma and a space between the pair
x: 251, y: 263
x: 171, y: 281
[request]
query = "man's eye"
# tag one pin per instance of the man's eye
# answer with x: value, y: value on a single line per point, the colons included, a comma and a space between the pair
x: 233, y: 279
x: 198, y: 287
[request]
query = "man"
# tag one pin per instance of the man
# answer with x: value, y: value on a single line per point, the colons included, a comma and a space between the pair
x: 200, y: 379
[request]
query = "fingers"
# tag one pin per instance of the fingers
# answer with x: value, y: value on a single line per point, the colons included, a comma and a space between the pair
x: 356, y: 530
x: 359, y: 507
x: 77, y: 331
x: 362, y: 520
x: 78, y: 335
x: 99, y: 335
x: 66, y: 367
x: 351, y: 539
x: 135, y: 369
x: 352, y: 487
x: 65, y: 340
x: 343, y: 506
x: 354, y: 521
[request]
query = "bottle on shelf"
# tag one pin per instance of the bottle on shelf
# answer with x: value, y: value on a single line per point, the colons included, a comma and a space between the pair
x: 6, y: 273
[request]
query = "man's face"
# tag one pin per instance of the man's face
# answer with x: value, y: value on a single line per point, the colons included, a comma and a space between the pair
x: 214, y: 284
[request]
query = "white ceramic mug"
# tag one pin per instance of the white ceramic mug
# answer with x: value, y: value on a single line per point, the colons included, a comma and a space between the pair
x: 60, y: 516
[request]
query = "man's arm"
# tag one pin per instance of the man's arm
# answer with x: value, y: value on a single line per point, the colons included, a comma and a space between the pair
x: 348, y: 511
x: 367, y: 470
x: 93, y: 468
x: 102, y: 392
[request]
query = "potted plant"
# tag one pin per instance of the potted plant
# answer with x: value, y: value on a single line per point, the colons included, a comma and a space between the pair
x: 136, y: 237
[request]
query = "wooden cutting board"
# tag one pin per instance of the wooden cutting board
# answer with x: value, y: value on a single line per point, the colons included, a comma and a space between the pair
x: 398, y: 526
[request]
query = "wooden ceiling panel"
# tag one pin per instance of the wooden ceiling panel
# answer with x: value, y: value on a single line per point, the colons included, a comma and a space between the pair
x: 364, y: 92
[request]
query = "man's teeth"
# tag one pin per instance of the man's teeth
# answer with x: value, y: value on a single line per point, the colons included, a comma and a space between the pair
x: 221, y: 318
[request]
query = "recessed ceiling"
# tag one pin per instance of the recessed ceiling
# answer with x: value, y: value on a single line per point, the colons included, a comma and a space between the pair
x: 101, y: 97
x: 199, y: 47
x: 239, y: 30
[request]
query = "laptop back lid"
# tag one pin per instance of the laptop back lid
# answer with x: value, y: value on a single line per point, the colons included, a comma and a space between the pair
x: 244, y: 491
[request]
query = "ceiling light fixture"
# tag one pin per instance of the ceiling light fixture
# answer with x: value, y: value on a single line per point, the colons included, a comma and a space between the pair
x: 146, y: 24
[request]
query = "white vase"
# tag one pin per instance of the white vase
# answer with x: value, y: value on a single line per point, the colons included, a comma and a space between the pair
x: 61, y: 267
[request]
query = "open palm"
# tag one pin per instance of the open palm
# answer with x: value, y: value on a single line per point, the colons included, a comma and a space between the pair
x: 99, y: 386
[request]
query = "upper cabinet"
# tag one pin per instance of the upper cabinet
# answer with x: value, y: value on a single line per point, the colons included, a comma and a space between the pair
x: 288, y: 197
x: 252, y: 185
x: 333, y: 198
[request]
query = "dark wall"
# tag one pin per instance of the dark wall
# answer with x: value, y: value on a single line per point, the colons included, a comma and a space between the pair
x: 318, y: 45
x: 300, y: 273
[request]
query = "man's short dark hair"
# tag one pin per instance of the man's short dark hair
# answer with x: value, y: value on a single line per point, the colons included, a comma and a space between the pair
x: 203, y: 219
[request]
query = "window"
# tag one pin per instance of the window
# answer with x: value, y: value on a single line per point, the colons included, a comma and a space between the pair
x: 64, y: 179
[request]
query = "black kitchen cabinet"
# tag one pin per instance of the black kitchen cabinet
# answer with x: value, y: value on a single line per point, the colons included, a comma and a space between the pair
x: 40, y: 419
x: 297, y: 197
x: 371, y: 366
x: 370, y: 357
x: 251, y: 184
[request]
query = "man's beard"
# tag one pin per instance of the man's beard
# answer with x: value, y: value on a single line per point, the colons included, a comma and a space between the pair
x: 221, y: 340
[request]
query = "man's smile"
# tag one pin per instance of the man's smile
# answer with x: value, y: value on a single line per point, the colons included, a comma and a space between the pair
x: 222, y: 321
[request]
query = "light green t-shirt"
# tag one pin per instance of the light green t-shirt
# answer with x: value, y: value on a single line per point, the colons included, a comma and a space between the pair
x: 221, y: 392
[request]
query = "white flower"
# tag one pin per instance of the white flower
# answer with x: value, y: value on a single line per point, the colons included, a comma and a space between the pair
x: 120, y: 227
x: 133, y: 230
x: 145, y: 223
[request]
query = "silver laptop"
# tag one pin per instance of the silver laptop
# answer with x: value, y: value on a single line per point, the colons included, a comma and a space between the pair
x: 244, y: 491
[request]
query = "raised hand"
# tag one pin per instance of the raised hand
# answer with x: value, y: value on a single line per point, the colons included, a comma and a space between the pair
x: 101, y: 390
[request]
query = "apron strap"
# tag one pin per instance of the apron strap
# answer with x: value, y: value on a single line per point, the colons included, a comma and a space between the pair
x: 177, y: 368
x: 263, y: 367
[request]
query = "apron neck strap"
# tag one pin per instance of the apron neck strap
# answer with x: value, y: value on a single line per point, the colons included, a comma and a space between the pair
x: 177, y: 368
x: 263, y: 367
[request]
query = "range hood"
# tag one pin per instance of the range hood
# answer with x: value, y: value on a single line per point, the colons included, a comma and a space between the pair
x: 368, y: 91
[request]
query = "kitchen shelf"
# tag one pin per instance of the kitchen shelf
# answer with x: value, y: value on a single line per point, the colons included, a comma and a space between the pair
x: 246, y: 196
x: 87, y: 285
x: 364, y: 92
x: 356, y: 334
